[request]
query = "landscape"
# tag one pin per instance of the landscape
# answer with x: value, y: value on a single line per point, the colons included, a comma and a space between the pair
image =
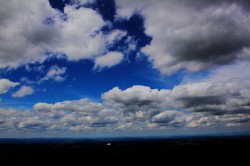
x: 106, y: 149
x: 117, y: 78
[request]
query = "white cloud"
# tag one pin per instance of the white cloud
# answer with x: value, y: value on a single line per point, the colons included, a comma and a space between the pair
x: 115, y: 35
x: 189, y: 35
x: 76, y: 37
x: 6, y: 85
x: 192, y: 35
x: 83, y: 105
x: 55, y: 73
x: 108, y: 60
x: 23, y: 91
x: 34, y: 123
x: 199, y: 105
x: 226, y: 73
x: 136, y: 97
x: 19, y: 43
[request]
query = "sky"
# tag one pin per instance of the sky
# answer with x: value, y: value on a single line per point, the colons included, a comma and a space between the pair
x: 101, y: 68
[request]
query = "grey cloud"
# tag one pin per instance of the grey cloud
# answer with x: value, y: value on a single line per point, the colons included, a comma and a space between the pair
x: 171, y: 119
x: 34, y: 123
x: 195, y: 35
x: 202, y: 104
x: 205, y: 99
x: 136, y: 98
x: 83, y: 105
x: 214, y: 98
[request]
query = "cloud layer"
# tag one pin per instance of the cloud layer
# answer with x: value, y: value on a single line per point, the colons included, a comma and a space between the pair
x: 189, y: 35
x: 203, y: 104
x: 185, y: 35
x: 193, y: 35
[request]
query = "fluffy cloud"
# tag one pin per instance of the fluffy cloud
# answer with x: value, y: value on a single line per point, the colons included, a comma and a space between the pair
x: 19, y: 43
x: 77, y: 38
x: 193, y: 35
x: 78, y: 114
x: 213, y: 98
x: 6, y: 85
x: 74, y: 34
x: 205, y: 97
x: 55, y: 73
x: 108, y: 60
x: 203, y: 104
x: 23, y: 91
x: 83, y: 105
x: 137, y: 100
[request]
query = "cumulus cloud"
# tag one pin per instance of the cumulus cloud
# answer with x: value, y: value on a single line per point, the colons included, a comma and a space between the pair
x: 83, y: 105
x: 55, y: 73
x: 213, y: 98
x: 204, y: 97
x: 34, y: 123
x: 74, y: 34
x: 136, y: 100
x: 23, y: 91
x: 78, y: 114
x: 204, y: 104
x: 193, y: 35
x: 6, y: 85
x: 21, y: 44
x: 77, y: 35
x: 108, y: 60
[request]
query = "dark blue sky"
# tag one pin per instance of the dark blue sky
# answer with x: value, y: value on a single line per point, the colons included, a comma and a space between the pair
x: 81, y: 80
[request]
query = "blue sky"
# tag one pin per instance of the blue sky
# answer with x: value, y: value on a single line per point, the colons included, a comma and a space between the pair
x: 97, y: 66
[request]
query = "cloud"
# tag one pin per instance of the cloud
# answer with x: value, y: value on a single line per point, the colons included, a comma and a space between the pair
x: 193, y: 35
x: 213, y: 98
x: 136, y: 100
x: 83, y: 105
x: 190, y: 35
x: 21, y: 44
x: 203, y: 97
x: 23, y: 91
x: 55, y: 73
x: 108, y: 60
x: 193, y: 105
x: 115, y: 35
x: 170, y: 119
x: 78, y: 114
x: 77, y: 35
x: 26, y: 81
x: 232, y: 72
x: 6, y: 85
x: 74, y: 34
x: 34, y: 123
